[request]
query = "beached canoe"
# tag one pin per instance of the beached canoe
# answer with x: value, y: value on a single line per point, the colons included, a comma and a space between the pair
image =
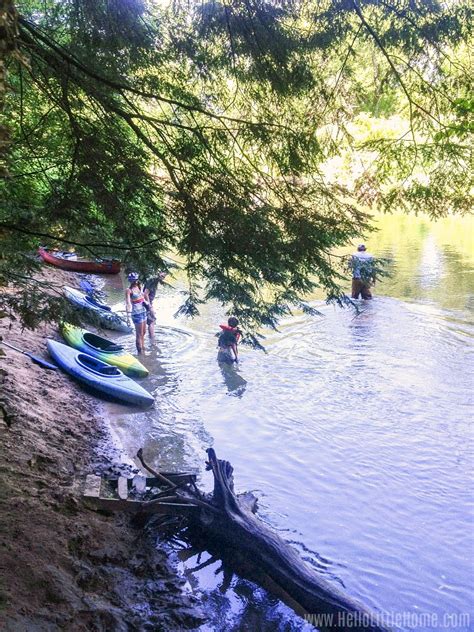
x: 98, y: 375
x: 88, y: 267
x: 103, y: 349
x: 97, y: 312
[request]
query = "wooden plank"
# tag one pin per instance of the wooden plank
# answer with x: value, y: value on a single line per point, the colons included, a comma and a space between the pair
x: 113, y: 504
x: 176, y: 478
x: 180, y: 477
x: 152, y: 481
x: 92, y: 486
x: 131, y: 506
x: 122, y: 488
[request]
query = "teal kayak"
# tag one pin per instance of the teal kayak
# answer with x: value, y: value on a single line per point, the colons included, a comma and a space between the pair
x: 98, y: 375
x: 97, y: 312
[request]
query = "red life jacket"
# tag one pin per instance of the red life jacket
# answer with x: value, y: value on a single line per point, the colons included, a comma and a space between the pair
x: 232, y: 330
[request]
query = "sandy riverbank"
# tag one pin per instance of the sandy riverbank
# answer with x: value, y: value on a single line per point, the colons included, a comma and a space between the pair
x: 63, y: 566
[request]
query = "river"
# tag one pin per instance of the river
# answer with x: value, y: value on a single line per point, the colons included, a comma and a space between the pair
x: 354, y: 431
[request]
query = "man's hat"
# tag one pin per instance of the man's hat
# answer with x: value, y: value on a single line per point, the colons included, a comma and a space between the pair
x: 361, y: 248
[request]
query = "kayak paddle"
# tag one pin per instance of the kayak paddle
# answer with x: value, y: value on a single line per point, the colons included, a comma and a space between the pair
x: 36, y: 359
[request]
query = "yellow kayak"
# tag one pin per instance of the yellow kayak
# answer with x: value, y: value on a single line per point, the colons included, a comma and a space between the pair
x: 103, y: 349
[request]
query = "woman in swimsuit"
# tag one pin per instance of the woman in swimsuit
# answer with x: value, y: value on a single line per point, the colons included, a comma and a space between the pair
x: 136, y: 300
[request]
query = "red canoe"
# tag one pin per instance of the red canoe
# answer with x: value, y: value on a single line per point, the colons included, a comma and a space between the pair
x: 89, y: 267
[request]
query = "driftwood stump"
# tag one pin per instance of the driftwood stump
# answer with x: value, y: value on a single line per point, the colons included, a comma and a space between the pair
x: 229, y: 521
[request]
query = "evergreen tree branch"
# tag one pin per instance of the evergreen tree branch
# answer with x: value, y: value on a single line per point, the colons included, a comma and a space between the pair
x: 36, y: 33
x: 412, y: 103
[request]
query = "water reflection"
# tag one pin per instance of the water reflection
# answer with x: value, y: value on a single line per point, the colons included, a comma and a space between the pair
x: 356, y: 429
x: 232, y: 602
x: 433, y: 261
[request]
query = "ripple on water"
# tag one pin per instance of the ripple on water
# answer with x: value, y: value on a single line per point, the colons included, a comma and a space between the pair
x: 357, y: 430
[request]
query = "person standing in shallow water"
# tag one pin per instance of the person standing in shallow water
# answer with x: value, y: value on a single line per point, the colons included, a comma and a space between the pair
x: 150, y: 286
x: 363, y: 274
x: 136, y: 300
x: 228, y: 340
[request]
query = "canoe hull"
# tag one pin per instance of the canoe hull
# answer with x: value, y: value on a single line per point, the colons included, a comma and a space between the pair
x: 119, y: 386
x: 108, y: 319
x: 87, y: 267
x: 126, y: 362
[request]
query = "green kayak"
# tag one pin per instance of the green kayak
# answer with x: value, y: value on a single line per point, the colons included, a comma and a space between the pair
x: 103, y: 349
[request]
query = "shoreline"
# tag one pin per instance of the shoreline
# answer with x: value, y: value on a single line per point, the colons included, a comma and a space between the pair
x: 63, y: 566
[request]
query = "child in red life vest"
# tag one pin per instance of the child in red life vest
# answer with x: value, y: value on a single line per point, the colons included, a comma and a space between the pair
x: 228, y: 340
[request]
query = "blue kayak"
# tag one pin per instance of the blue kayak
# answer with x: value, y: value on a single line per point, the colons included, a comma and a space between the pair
x: 98, y: 312
x: 99, y: 375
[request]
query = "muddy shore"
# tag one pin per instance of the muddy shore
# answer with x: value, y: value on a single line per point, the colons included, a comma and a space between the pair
x: 63, y: 566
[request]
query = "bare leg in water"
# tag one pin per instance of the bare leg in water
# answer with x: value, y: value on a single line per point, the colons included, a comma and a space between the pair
x: 140, y: 329
x: 151, y: 320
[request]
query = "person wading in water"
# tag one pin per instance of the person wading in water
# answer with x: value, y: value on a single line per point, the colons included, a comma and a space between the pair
x: 150, y: 286
x: 136, y: 300
x: 228, y: 340
x: 363, y: 274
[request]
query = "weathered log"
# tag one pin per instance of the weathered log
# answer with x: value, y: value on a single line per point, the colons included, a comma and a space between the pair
x: 229, y: 520
x: 228, y: 524
x: 287, y: 573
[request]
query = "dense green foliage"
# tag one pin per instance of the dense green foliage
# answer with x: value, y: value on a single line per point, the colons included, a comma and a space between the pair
x: 207, y: 129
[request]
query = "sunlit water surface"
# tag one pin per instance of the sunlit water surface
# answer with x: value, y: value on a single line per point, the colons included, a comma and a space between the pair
x: 354, y: 431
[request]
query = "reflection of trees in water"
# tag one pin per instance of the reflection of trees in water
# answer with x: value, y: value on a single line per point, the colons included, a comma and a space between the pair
x: 260, y: 611
x: 236, y: 604
x: 235, y: 383
x: 407, y: 238
x: 459, y: 280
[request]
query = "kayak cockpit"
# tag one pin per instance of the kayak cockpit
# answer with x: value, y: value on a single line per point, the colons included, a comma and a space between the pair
x: 101, y: 344
x: 96, y: 366
x: 95, y: 303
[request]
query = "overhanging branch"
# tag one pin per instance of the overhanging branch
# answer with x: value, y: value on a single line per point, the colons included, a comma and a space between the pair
x: 87, y: 246
x: 35, y: 32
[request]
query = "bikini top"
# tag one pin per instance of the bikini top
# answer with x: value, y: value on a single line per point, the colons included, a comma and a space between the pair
x: 136, y: 297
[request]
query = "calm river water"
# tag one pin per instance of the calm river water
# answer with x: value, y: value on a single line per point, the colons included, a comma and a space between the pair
x: 354, y: 431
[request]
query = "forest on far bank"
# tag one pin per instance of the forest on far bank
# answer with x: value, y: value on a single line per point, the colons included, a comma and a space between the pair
x: 251, y: 138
